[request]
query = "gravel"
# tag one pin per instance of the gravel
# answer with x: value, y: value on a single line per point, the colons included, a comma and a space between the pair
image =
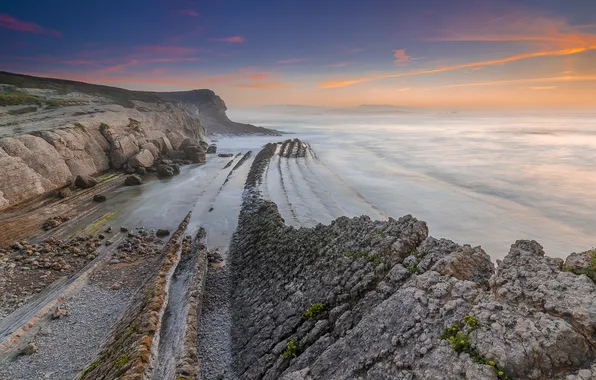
x: 215, y: 323
x: 66, y: 346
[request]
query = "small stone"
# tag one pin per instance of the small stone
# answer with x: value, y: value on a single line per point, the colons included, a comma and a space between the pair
x: 162, y: 233
x: 59, y: 314
x: 108, y: 242
x: 123, y: 229
x: 30, y: 349
x: 115, y: 286
x: 99, y: 198
x: 101, y: 236
x: 108, y: 230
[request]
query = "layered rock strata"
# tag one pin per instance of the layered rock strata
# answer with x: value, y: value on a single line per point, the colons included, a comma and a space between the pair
x: 363, y: 299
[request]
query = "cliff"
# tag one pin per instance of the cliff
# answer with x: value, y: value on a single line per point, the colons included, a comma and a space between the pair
x: 212, y: 111
x: 52, y: 130
x: 364, y: 299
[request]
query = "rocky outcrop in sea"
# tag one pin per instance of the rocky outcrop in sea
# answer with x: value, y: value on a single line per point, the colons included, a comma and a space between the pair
x: 364, y: 299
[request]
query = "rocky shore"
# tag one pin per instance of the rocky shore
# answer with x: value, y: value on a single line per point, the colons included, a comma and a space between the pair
x: 75, y: 129
x: 363, y: 299
x: 87, y: 292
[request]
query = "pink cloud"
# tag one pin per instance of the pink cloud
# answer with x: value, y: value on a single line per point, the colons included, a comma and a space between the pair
x: 9, y: 22
x: 166, y: 50
x: 188, y: 12
x: 401, y: 56
x: 230, y: 40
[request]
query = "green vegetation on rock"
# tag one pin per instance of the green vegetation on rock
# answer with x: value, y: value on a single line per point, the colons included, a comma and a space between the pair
x: 291, y: 350
x: 314, y: 310
x: 58, y: 102
x: 459, y: 339
x: 12, y: 97
x: 413, y: 267
x: 371, y: 258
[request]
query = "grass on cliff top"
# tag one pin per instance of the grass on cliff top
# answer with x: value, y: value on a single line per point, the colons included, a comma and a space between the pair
x: 13, y: 97
x: 120, y: 96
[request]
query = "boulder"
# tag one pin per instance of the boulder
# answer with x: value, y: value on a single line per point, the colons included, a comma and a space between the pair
x: 142, y: 159
x: 162, y: 233
x: 123, y: 148
x: 204, y: 145
x: 141, y: 170
x: 151, y: 148
x: 99, y: 198
x: 164, y: 171
x: 195, y: 153
x: 85, y: 181
x: 64, y: 193
x: 188, y: 142
x: 177, y: 155
x: 133, y: 180
x: 212, y: 149
x: 163, y: 144
x: 225, y: 155
x: 107, y: 132
x: 176, y: 138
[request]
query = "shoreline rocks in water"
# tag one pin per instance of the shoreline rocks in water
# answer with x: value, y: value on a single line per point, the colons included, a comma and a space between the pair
x: 399, y: 304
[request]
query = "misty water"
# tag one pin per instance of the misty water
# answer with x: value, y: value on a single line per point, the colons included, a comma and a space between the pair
x: 478, y: 180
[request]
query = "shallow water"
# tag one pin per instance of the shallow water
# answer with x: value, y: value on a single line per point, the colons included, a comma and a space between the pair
x: 474, y: 179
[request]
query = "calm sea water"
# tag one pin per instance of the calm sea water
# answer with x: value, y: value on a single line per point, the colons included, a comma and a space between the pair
x: 474, y: 179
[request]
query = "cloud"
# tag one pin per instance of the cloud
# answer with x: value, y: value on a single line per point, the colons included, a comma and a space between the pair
x: 542, y: 88
x: 555, y: 33
x: 404, y: 89
x: 542, y: 80
x: 9, y: 22
x: 230, y: 40
x: 401, y: 57
x: 513, y: 58
x: 188, y: 12
x: 265, y: 85
x: 292, y: 60
x: 354, y: 50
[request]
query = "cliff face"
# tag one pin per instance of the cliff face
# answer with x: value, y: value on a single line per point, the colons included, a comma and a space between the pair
x: 211, y: 109
x: 53, y: 130
x: 363, y: 299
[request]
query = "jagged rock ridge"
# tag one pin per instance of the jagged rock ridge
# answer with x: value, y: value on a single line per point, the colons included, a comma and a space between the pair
x: 363, y: 299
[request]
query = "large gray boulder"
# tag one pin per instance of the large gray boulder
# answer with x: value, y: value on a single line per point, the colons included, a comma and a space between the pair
x: 123, y: 148
x: 195, y: 153
x: 163, y: 144
x: 142, y: 159
x: 85, y: 181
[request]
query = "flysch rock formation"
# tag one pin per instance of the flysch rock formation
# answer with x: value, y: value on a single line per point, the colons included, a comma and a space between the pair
x: 364, y: 299
x: 54, y: 130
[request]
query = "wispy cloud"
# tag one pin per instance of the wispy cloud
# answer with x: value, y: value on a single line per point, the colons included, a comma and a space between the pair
x: 401, y: 57
x: 340, y: 64
x: 187, y: 12
x: 541, y: 80
x: 230, y: 40
x: 292, y: 60
x: 542, y: 88
x: 513, y: 58
x: 265, y: 85
x: 9, y: 22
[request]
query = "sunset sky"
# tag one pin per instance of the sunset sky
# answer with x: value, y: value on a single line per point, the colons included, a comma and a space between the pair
x: 444, y: 53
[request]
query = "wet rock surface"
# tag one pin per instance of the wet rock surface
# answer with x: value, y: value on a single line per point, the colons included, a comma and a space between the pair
x: 363, y: 299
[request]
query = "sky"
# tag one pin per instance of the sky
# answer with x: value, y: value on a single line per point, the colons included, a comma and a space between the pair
x: 428, y: 53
